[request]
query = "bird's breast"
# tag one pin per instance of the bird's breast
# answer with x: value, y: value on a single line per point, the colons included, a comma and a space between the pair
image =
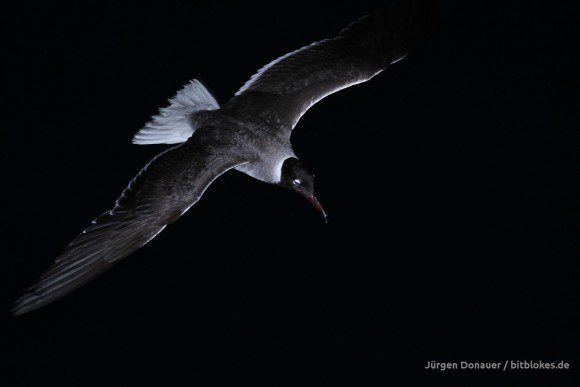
x: 268, y: 167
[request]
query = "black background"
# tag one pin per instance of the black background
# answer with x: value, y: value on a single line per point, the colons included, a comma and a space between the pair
x: 452, y: 183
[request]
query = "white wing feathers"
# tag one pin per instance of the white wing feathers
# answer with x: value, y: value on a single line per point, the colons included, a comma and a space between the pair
x: 173, y: 123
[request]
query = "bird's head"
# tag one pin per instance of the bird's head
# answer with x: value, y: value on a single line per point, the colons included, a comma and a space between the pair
x: 298, y: 178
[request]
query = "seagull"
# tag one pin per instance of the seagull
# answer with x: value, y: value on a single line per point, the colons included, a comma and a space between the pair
x: 250, y: 133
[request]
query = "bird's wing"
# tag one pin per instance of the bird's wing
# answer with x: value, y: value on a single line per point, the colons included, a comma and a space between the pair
x: 291, y: 84
x: 167, y: 187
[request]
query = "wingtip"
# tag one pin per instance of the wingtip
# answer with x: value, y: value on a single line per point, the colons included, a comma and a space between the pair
x: 19, y: 308
x: 27, y: 303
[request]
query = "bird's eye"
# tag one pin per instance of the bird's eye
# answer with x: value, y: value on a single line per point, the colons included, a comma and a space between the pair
x: 296, y: 182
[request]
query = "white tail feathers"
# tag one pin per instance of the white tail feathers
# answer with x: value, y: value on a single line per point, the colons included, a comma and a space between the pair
x: 173, y: 123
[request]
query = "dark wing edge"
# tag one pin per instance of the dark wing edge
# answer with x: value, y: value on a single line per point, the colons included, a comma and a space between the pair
x: 299, y: 79
x: 164, y: 189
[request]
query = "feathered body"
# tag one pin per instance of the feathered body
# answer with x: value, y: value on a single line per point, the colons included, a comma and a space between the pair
x: 250, y: 133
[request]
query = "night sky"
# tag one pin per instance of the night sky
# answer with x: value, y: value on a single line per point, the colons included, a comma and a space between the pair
x: 451, y: 181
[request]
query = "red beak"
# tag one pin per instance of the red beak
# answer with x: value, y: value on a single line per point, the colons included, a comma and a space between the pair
x: 312, y: 199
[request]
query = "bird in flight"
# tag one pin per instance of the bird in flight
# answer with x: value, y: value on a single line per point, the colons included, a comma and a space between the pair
x: 249, y: 133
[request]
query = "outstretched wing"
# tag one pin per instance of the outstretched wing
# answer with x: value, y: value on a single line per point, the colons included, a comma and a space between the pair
x: 171, y: 183
x: 291, y: 84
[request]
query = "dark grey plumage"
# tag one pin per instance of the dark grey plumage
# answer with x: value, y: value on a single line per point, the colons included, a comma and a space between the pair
x: 171, y: 183
x: 250, y: 133
x: 288, y: 86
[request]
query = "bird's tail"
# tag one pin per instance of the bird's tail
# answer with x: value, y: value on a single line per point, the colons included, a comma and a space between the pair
x: 391, y: 32
x: 173, y: 124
